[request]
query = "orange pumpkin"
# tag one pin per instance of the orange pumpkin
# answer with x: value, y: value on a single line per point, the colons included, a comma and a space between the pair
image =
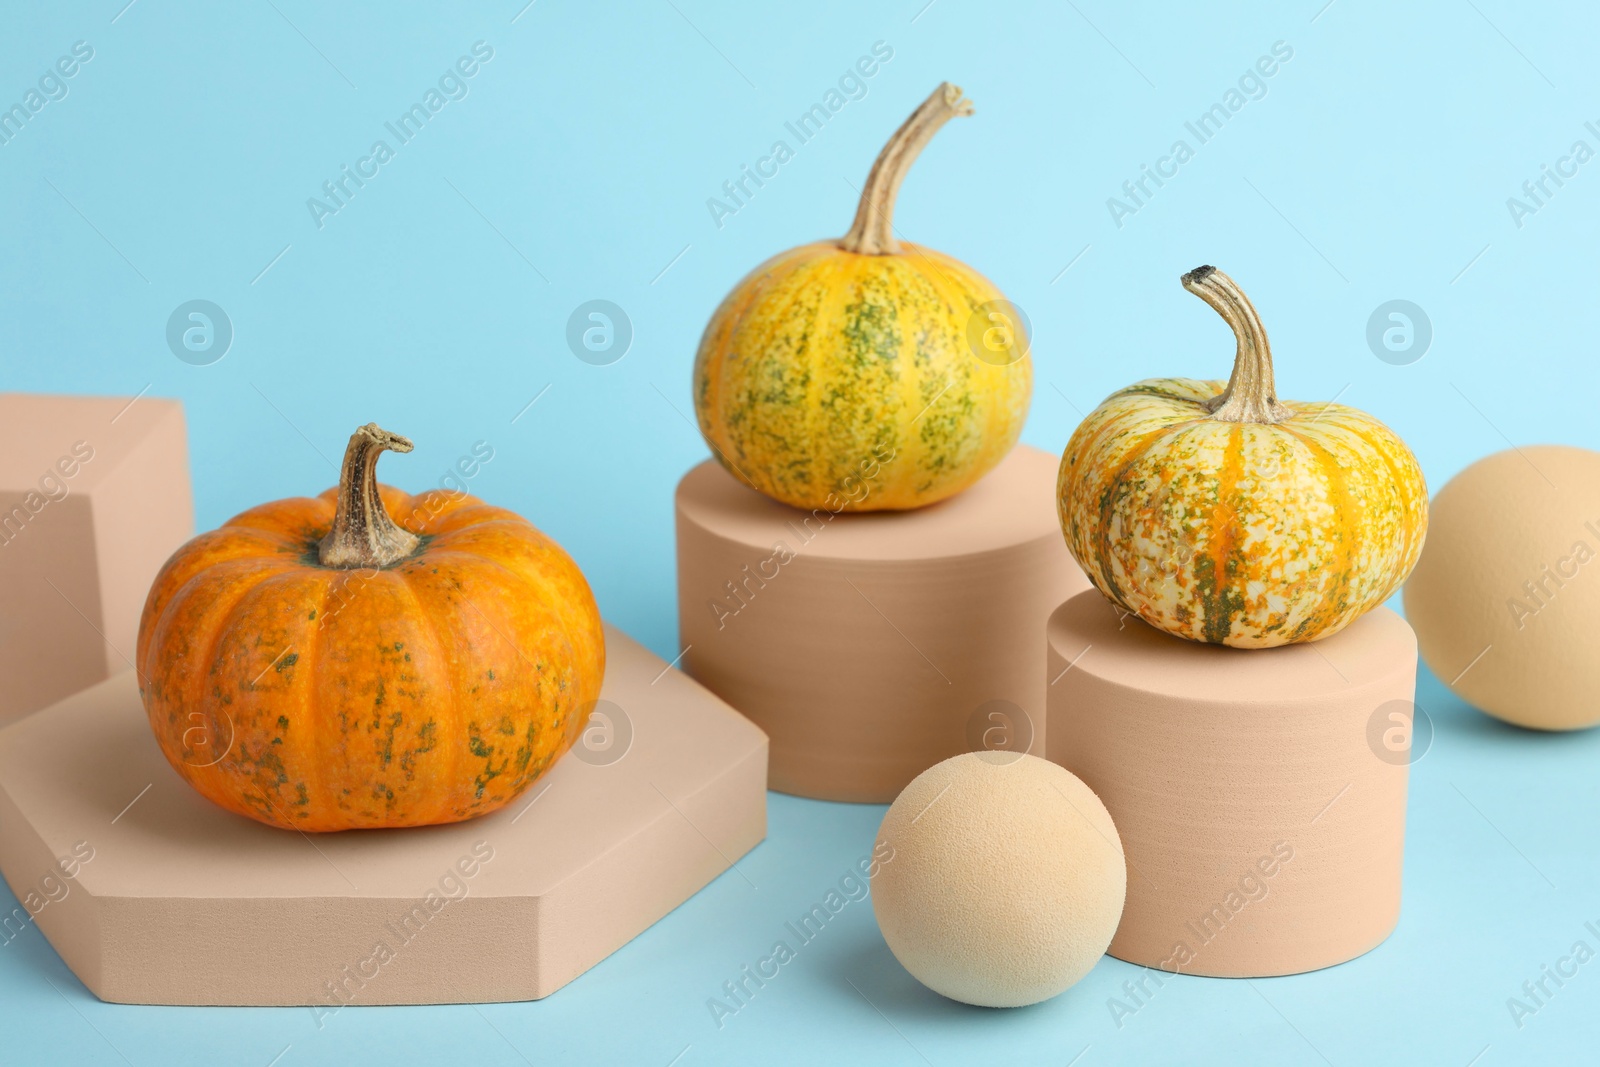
x: 321, y: 665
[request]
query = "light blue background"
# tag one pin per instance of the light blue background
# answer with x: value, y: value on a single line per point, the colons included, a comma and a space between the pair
x: 1376, y: 167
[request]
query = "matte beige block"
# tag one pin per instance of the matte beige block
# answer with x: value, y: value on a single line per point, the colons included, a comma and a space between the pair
x: 1260, y: 793
x: 185, y: 903
x: 870, y: 646
x: 94, y: 496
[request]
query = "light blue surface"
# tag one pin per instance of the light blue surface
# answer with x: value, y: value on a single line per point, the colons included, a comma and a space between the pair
x: 1376, y: 166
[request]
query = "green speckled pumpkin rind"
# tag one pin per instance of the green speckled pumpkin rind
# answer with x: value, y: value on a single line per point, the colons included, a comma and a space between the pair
x: 428, y: 690
x: 847, y: 375
x: 1239, y: 532
x: 829, y: 372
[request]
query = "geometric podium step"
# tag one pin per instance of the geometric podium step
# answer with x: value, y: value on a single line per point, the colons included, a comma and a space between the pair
x: 1260, y: 794
x: 94, y: 496
x: 872, y: 645
x: 153, y: 895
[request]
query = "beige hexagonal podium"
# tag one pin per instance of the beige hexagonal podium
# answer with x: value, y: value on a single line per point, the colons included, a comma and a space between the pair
x: 94, y: 496
x: 172, y: 900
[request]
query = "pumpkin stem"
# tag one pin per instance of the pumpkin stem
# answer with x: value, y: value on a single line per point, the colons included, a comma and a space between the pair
x: 872, y: 233
x: 1250, y: 395
x: 363, y: 534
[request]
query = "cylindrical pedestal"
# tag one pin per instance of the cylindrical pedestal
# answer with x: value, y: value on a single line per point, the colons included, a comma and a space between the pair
x: 1260, y: 794
x: 870, y: 646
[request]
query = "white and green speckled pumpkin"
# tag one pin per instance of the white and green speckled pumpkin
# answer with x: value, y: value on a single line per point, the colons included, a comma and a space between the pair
x: 1219, y: 513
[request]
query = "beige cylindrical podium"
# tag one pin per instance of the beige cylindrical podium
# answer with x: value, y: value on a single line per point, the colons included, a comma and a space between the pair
x: 1260, y: 794
x: 869, y: 646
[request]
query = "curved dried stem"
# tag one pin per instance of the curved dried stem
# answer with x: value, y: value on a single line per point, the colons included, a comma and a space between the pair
x: 872, y: 232
x: 1250, y: 395
x: 363, y: 534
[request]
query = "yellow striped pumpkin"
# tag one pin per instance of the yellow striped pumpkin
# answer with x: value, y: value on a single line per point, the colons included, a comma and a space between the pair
x: 865, y: 374
x: 1216, y: 512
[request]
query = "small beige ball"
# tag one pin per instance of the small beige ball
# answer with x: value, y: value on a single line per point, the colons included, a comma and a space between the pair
x: 1006, y: 880
x: 1506, y: 597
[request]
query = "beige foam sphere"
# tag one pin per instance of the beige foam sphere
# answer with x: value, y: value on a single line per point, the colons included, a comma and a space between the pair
x: 1004, y: 879
x: 1506, y: 597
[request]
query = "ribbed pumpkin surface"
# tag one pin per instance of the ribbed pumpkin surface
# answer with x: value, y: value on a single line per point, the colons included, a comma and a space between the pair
x: 1239, y: 533
x: 825, y: 369
x: 428, y: 691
